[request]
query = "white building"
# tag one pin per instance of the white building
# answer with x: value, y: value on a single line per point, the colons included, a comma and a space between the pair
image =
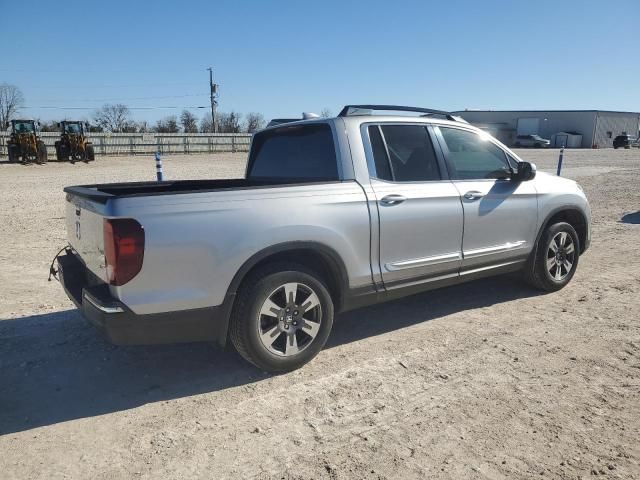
x: 597, y: 127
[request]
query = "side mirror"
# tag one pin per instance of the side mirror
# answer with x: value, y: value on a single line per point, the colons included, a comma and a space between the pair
x: 526, y: 171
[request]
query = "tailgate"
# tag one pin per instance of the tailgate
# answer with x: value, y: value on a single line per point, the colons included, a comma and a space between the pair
x: 85, y: 233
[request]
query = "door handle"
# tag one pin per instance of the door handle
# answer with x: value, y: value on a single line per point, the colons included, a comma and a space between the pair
x: 392, y: 199
x: 473, y: 195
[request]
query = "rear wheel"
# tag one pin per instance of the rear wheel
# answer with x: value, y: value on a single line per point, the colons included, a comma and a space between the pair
x: 42, y: 152
x: 13, y: 154
x: 61, y: 155
x: 282, y: 317
x: 555, y: 261
x: 90, y: 155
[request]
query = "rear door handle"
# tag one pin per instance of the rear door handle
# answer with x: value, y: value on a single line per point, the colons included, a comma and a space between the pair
x: 473, y: 195
x: 392, y: 199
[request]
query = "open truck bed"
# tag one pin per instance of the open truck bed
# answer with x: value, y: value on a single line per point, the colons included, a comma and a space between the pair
x: 107, y: 191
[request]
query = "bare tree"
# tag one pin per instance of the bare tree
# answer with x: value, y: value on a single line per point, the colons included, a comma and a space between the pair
x: 167, y: 125
x: 130, y: 127
x: 189, y: 122
x: 254, y: 122
x: 326, y: 113
x: 51, y: 126
x: 229, y: 122
x: 95, y: 128
x: 112, y: 118
x: 143, y: 127
x: 206, y: 124
x: 11, y: 99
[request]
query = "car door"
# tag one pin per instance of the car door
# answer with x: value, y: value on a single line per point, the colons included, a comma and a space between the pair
x: 419, y: 209
x: 500, y: 214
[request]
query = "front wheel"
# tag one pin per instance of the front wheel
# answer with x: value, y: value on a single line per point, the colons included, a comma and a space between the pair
x: 554, y: 262
x: 13, y: 154
x: 282, y: 317
x: 42, y: 152
x: 91, y: 155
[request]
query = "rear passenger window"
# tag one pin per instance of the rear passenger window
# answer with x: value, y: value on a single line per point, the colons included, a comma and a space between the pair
x: 403, y: 153
x: 379, y: 154
x: 473, y: 157
x: 300, y: 152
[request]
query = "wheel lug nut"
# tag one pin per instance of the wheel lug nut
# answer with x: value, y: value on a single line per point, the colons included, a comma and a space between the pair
x: 296, y: 312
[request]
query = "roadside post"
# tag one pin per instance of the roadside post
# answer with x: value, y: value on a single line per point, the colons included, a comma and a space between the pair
x: 560, y: 160
x: 159, y: 167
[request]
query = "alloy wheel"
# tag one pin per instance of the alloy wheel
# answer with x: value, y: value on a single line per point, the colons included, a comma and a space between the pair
x: 560, y: 256
x: 289, y: 319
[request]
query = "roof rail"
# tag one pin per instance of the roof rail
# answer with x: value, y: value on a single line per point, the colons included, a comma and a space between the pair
x: 280, y: 121
x: 427, y: 112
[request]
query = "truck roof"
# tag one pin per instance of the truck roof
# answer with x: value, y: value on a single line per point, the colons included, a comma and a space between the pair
x: 363, y: 113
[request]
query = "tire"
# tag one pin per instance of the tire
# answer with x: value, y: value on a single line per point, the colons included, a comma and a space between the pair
x: 279, y: 352
x: 537, y: 145
x: 13, y: 154
x: 64, y: 153
x: 517, y: 144
x: 42, y: 153
x: 542, y: 268
x: 91, y: 154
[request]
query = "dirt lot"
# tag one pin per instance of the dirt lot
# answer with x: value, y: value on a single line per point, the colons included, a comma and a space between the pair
x: 486, y: 380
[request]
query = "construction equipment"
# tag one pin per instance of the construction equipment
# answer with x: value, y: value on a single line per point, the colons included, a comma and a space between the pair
x: 24, y: 144
x: 73, y: 144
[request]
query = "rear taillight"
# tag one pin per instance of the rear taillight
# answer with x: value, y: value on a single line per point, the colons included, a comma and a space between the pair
x: 123, y: 249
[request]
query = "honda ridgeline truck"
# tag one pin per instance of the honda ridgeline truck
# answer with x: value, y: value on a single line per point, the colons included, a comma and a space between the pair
x: 332, y: 214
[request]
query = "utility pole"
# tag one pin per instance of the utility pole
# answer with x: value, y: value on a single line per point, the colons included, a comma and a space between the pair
x: 214, y: 100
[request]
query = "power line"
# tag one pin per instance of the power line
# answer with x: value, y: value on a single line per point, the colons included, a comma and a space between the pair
x: 93, y: 86
x: 119, y: 99
x: 98, y: 107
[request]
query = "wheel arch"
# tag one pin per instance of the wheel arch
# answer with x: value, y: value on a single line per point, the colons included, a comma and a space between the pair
x: 574, y: 216
x: 318, y: 257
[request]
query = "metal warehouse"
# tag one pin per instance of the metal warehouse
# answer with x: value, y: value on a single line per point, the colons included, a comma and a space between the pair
x: 597, y: 128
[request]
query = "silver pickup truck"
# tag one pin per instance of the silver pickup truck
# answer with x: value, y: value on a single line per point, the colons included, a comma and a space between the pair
x: 332, y: 214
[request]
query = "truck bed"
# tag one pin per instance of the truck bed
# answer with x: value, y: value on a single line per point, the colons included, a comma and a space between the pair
x: 103, y: 192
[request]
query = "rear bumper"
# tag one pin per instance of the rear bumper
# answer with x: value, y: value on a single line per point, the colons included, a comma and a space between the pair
x: 124, y: 327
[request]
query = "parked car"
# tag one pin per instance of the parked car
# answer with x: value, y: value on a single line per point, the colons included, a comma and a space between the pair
x: 625, y: 141
x: 333, y: 214
x: 534, y: 141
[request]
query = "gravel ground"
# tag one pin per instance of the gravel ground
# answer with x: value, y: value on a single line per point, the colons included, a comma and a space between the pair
x: 485, y: 380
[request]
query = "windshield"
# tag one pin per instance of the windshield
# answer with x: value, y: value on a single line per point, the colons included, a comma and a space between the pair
x: 72, y: 128
x: 24, y: 127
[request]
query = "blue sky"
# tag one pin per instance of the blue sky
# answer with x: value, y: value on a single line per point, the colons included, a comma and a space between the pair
x: 284, y: 57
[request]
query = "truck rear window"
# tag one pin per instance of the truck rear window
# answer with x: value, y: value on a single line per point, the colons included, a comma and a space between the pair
x: 297, y: 152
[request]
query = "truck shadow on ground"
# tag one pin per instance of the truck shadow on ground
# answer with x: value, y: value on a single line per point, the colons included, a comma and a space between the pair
x: 55, y: 367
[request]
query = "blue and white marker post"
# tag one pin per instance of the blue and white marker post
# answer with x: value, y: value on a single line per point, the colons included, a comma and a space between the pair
x: 560, y: 160
x: 159, y: 167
